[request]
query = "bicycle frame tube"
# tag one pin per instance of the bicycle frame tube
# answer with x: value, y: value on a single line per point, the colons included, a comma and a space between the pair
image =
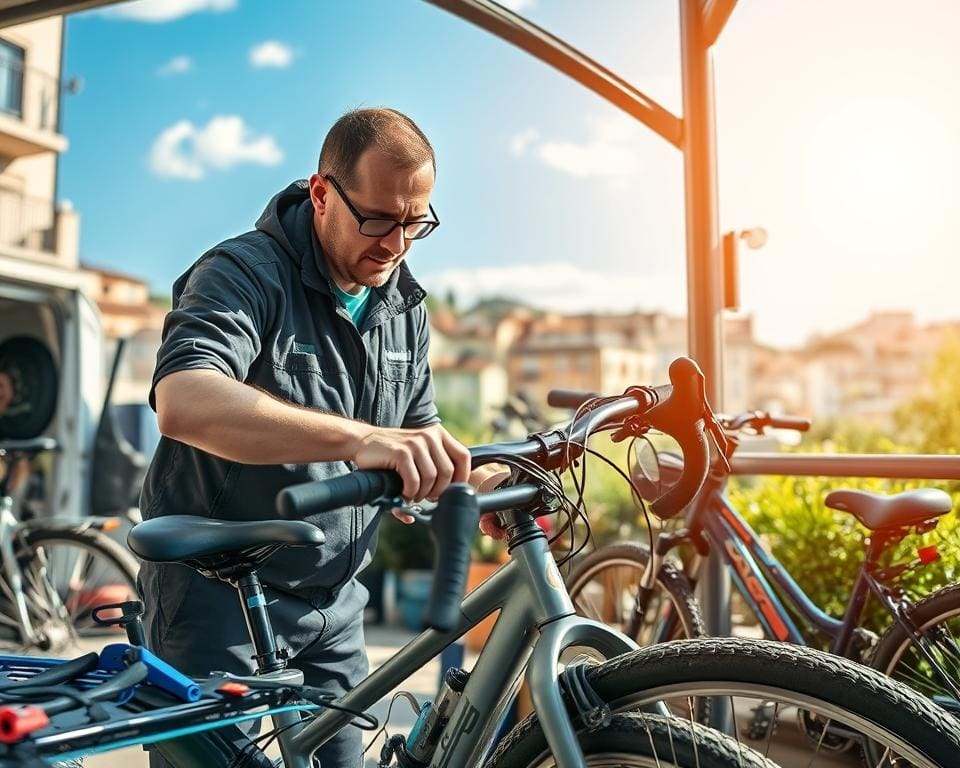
x: 535, y: 624
x: 751, y: 564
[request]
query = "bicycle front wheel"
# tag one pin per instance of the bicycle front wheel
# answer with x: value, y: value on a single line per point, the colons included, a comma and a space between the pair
x: 794, y: 705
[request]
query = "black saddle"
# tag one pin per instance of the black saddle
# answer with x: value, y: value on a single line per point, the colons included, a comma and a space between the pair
x: 27, y: 448
x: 221, y: 548
x: 877, y: 511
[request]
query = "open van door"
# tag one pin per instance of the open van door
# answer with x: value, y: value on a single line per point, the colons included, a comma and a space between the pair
x: 118, y: 467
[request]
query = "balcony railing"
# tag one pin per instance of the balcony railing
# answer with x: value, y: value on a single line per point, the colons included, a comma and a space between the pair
x: 29, y: 95
x: 27, y: 222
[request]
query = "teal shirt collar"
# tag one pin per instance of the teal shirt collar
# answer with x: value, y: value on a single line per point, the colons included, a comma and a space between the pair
x: 355, y: 303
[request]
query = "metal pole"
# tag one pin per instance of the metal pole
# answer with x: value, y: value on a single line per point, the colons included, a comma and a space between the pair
x: 704, y: 278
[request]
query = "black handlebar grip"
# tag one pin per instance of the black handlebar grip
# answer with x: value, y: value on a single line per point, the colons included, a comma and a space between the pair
x: 795, y: 423
x: 453, y: 526
x: 361, y: 487
x: 568, y: 398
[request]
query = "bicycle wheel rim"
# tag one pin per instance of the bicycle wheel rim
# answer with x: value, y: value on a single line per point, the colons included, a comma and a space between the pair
x: 927, y: 684
x: 850, y: 701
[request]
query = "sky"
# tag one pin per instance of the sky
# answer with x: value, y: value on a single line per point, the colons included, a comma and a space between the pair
x: 838, y: 130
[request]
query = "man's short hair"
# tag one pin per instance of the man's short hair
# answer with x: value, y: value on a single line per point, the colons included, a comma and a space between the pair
x: 391, y: 131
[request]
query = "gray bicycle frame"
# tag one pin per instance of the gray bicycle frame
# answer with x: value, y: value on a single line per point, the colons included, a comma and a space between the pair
x: 537, y: 622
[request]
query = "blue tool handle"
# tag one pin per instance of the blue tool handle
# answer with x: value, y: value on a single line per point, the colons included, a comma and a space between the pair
x: 120, y: 655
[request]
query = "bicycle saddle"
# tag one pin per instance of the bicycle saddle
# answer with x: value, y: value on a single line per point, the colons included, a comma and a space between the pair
x: 877, y: 510
x: 30, y: 447
x: 190, y: 539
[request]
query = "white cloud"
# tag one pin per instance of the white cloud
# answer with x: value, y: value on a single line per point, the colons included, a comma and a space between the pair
x: 166, y: 10
x: 562, y: 287
x: 611, y: 149
x: 271, y: 53
x: 185, y: 151
x: 518, y: 6
x: 178, y: 65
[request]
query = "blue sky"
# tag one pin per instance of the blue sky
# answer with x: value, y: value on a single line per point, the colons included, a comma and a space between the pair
x: 838, y: 128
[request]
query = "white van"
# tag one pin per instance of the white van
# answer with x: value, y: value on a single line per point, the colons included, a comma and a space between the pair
x: 56, y: 311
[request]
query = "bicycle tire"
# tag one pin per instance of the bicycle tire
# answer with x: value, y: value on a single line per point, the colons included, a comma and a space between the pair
x: 683, y: 620
x: 633, y: 740
x: 893, y: 649
x: 220, y: 748
x: 937, y: 616
x: 110, y: 570
x: 670, y: 580
x: 845, y: 693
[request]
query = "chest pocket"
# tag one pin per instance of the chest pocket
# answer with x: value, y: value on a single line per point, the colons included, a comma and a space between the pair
x: 397, y: 371
x: 302, y: 381
x: 397, y: 381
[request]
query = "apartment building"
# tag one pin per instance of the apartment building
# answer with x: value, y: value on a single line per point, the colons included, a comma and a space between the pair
x: 39, y: 239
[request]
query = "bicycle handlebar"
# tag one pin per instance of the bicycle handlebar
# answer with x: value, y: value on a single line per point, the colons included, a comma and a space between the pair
x: 679, y: 409
x: 569, y: 398
x: 760, y: 420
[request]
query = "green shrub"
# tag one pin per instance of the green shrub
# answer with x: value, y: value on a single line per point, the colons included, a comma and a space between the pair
x: 823, y: 549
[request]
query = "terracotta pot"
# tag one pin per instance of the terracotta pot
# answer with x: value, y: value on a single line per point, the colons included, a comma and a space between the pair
x: 476, y: 637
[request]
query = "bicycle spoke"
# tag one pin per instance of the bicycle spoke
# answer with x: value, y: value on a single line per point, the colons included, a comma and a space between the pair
x: 776, y: 716
x: 653, y: 746
x: 816, y: 750
x: 594, y: 613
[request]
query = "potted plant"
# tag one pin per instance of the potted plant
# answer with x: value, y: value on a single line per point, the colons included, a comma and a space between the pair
x: 408, y: 551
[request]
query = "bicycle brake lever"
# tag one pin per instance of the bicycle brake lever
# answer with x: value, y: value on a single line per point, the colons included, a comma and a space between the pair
x: 720, y: 441
x: 422, y: 512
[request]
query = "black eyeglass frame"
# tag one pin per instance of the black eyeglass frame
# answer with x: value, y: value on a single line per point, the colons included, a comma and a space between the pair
x: 361, y: 219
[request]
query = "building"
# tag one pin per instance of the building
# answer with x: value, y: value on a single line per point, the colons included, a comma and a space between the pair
x: 39, y: 238
x: 864, y: 372
x: 124, y: 302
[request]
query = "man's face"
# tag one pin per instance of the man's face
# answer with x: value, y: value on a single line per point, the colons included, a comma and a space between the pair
x: 381, y: 190
x: 6, y: 392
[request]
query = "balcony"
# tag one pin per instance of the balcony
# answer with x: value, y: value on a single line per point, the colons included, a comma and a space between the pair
x: 29, y: 100
x: 27, y: 223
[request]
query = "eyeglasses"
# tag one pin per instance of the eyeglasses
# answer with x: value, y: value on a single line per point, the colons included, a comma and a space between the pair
x: 372, y: 226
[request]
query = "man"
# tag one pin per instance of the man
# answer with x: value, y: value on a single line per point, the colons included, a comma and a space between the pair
x: 296, y: 352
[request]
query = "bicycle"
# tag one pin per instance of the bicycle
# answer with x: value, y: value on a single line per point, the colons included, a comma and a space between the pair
x: 919, y: 647
x: 608, y: 713
x: 53, y: 571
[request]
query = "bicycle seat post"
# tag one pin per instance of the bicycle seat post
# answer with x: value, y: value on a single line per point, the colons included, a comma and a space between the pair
x: 254, y: 605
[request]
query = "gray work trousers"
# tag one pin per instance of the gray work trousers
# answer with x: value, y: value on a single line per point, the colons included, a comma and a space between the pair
x: 196, y: 624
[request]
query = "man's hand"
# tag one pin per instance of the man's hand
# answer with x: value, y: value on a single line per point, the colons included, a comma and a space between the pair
x: 427, y: 459
x: 487, y: 478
